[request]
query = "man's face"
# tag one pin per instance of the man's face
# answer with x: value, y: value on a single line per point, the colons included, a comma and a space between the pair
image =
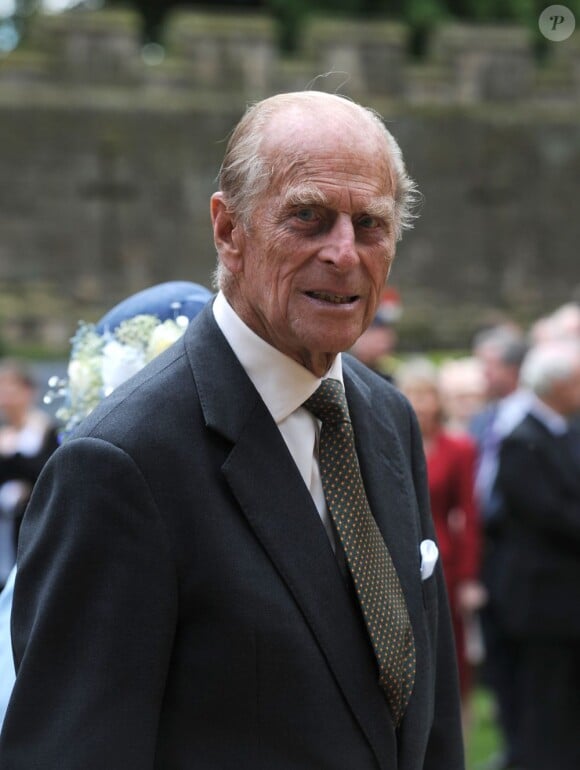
x: 501, y: 378
x: 16, y: 397
x: 426, y: 403
x: 319, y: 245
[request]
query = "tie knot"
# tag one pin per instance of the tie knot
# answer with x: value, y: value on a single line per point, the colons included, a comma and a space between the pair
x: 328, y: 402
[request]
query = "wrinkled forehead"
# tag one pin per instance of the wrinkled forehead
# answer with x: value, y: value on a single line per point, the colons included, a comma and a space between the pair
x: 303, y: 138
x: 322, y: 124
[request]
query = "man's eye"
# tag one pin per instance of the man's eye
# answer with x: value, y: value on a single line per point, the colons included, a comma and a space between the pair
x: 306, y: 215
x: 369, y: 222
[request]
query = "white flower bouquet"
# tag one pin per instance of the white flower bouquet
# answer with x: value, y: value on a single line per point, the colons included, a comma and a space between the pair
x: 99, y: 363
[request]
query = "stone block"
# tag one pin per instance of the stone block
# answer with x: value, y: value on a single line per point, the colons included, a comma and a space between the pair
x: 225, y: 52
x: 91, y: 47
x: 370, y: 55
x: 298, y: 74
x: 566, y: 56
x: 428, y: 84
x: 487, y: 63
x: 23, y: 68
x: 107, y: 164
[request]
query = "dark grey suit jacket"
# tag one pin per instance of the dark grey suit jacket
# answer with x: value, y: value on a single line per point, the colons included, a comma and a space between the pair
x: 178, y: 604
x: 539, y: 578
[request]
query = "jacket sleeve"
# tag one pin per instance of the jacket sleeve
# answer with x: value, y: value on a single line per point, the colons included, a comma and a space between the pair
x: 94, y: 611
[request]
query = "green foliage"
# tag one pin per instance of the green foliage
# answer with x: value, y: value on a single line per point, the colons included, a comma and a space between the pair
x: 483, y: 740
x: 499, y: 10
x: 353, y: 7
x: 424, y: 13
x: 290, y: 16
x: 422, y: 16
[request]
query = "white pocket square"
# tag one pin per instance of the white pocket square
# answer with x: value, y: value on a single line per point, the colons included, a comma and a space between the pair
x: 429, y: 556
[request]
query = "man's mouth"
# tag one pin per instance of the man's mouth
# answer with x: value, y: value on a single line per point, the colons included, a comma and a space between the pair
x: 335, y: 299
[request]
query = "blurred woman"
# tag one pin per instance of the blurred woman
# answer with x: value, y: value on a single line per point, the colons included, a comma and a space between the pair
x: 450, y: 469
x: 463, y: 394
x: 27, y: 439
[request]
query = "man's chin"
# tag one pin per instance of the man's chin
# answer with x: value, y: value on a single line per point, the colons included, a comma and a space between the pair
x: 336, y: 338
x: 320, y: 359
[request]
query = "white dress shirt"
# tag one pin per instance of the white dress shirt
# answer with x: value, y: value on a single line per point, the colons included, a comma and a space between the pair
x: 284, y: 386
x: 7, y: 673
x: 509, y: 412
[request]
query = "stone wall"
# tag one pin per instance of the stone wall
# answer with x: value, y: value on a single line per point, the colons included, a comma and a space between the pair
x: 108, y: 162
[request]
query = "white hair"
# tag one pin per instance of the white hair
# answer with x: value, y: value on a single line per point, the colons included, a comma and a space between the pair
x: 417, y: 372
x: 563, y: 323
x: 548, y: 363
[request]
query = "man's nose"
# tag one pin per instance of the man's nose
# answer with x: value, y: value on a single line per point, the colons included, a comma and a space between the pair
x: 340, y: 246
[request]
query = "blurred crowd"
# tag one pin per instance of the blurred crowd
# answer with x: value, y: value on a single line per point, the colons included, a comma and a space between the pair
x: 501, y: 433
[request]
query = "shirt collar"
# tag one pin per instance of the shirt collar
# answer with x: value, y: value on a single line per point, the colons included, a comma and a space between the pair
x: 510, y: 411
x: 283, y: 383
x: 554, y: 422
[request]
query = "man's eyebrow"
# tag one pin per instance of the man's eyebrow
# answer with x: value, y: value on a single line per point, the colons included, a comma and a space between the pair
x: 310, y: 195
x: 383, y: 208
x: 305, y: 195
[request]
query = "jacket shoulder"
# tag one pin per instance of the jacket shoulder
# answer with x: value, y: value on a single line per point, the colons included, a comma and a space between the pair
x: 142, y: 401
x: 389, y: 405
x: 378, y: 385
x: 528, y: 431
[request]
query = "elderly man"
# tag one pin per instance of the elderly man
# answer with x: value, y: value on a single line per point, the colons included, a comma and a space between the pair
x: 539, y: 480
x: 206, y: 579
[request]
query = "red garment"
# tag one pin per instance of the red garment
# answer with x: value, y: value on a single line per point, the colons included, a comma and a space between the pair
x: 451, y: 472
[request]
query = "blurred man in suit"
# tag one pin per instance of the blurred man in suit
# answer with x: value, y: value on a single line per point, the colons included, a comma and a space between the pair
x: 187, y: 597
x: 539, y: 480
x: 500, y: 350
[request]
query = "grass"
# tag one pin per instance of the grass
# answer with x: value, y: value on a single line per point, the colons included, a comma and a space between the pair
x: 483, y: 740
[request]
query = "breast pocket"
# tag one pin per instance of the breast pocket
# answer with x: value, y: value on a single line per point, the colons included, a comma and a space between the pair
x: 430, y: 595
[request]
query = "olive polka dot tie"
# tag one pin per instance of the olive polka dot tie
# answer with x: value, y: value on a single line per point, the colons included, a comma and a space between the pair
x: 375, y: 578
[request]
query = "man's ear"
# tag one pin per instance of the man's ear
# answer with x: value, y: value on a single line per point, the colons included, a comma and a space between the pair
x: 228, y: 233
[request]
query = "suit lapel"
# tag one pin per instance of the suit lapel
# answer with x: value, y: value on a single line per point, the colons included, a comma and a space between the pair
x: 277, y: 505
